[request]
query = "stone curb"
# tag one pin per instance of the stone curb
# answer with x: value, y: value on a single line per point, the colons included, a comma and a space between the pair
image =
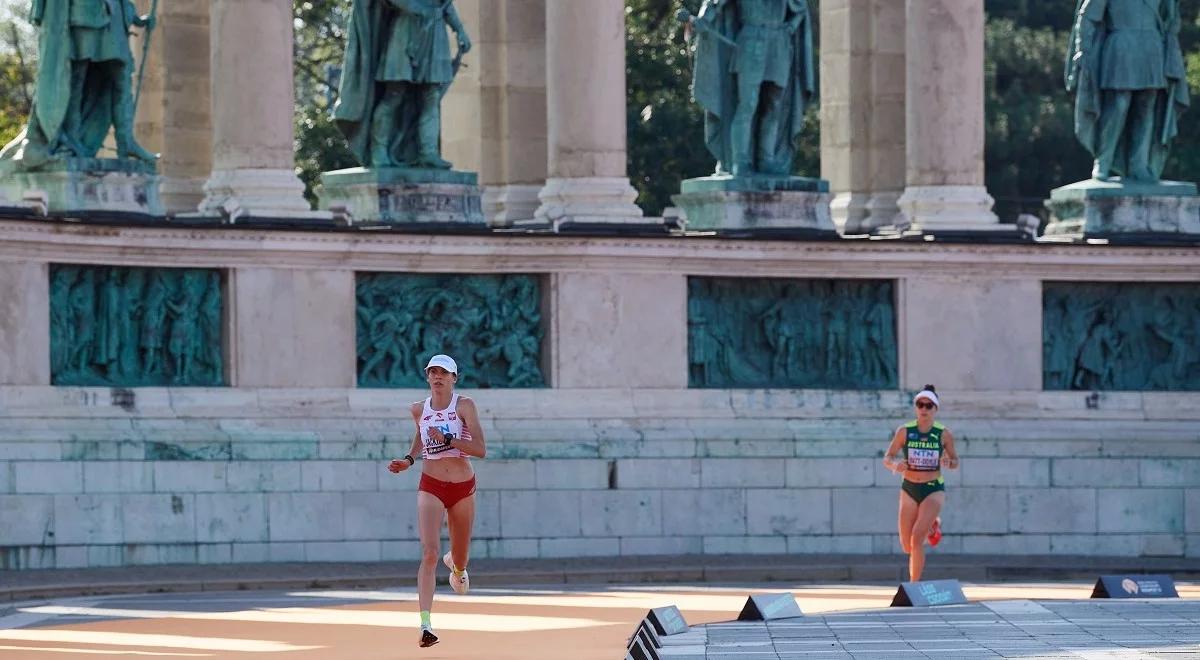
x: 33, y: 585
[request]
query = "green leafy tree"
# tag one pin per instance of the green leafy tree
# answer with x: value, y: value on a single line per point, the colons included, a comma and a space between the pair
x: 665, y: 129
x: 1184, y: 163
x: 1030, y: 137
x: 320, y: 40
x: 18, y: 60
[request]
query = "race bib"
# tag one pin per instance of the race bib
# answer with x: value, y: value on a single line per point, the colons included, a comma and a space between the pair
x: 433, y: 446
x: 924, y: 459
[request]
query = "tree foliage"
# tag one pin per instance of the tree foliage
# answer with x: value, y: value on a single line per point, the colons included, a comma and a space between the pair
x: 18, y: 61
x: 666, y: 131
x: 320, y: 42
x: 1030, y: 143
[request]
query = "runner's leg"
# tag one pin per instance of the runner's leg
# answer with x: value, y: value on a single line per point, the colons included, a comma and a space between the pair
x: 429, y: 526
x: 927, y: 512
x: 908, y: 517
x: 461, y: 517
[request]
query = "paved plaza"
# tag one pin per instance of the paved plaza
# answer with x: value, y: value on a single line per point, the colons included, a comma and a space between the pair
x: 1089, y: 629
x: 593, y: 622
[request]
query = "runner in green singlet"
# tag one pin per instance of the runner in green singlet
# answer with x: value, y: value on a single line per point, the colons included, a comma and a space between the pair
x: 927, y: 447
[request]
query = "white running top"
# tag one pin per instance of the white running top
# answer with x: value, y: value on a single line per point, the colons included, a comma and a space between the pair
x: 448, y: 421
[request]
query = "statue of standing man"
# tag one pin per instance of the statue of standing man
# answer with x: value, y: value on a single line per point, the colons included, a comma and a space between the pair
x: 1127, y: 71
x: 754, y: 76
x: 84, y: 84
x: 397, y: 68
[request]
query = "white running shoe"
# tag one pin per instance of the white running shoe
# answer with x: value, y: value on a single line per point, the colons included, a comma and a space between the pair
x: 460, y: 582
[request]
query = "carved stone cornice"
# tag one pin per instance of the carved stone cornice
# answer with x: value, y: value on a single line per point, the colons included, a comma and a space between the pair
x: 231, y: 247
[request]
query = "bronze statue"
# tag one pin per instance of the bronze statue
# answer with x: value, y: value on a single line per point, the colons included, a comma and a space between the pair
x: 396, y: 70
x: 754, y: 76
x: 84, y: 82
x: 1126, y: 68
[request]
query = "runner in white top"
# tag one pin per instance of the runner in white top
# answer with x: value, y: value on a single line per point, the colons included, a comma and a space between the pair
x: 447, y: 435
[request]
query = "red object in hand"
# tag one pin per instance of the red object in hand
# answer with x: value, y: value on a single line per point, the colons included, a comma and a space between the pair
x: 935, y: 533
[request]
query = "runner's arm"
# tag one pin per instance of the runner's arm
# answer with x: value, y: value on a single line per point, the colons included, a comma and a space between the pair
x: 891, y: 458
x: 414, y: 450
x: 950, y: 457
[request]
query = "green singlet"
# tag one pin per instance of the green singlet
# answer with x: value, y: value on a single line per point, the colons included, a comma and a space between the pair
x: 923, y: 452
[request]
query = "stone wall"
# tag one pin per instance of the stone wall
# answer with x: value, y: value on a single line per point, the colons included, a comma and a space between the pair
x: 617, y: 455
x: 97, y: 477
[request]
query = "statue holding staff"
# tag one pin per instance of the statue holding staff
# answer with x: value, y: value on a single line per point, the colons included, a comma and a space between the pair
x: 754, y: 76
x: 84, y: 82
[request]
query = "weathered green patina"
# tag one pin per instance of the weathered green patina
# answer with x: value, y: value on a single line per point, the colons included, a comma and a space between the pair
x: 754, y: 76
x: 1121, y: 336
x: 84, y: 83
x: 810, y: 333
x: 490, y: 324
x: 396, y: 69
x: 1126, y: 68
x: 128, y: 327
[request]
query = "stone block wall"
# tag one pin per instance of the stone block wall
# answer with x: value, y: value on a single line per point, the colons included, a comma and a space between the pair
x: 214, y: 476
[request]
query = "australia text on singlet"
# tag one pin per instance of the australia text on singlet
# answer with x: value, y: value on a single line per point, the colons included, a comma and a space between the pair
x: 923, y: 451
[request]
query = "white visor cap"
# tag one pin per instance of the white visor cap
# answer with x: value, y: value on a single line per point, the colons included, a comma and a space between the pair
x: 926, y: 394
x: 444, y: 361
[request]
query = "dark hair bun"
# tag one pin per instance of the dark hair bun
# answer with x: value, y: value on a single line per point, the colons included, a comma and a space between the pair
x: 930, y: 388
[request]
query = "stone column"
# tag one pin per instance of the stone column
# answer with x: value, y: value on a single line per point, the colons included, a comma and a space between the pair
x: 887, y: 113
x: 174, y: 116
x: 523, y: 126
x: 944, y: 117
x: 465, y: 107
x: 585, y: 101
x: 495, y: 112
x: 252, y: 103
x: 862, y: 110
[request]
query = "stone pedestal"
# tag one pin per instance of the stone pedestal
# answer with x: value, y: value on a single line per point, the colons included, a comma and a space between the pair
x: 949, y: 208
x: 87, y: 185
x: 586, y: 201
x: 758, y: 203
x: 1105, y: 209
x: 506, y: 205
x: 402, y: 196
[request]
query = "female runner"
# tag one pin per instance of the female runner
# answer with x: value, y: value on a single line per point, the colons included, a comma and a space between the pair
x: 448, y: 433
x: 928, y: 447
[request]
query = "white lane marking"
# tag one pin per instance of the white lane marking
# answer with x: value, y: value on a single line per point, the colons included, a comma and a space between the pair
x: 123, y: 652
x: 348, y: 617
x: 96, y: 637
